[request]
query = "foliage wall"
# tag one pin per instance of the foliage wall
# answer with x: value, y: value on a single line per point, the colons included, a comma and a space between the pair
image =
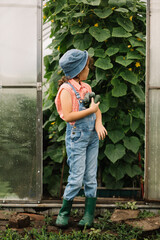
x: 113, y: 32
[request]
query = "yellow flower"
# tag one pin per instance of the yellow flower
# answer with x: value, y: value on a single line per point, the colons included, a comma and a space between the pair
x: 79, y: 20
x: 50, y: 137
x: 82, y: 11
x: 130, y: 18
x: 54, y: 0
x: 96, y: 24
x: 52, y: 123
x: 130, y: 69
x: 129, y: 46
x: 44, y: 17
x: 139, y: 39
x: 131, y: 49
x: 52, y: 20
x: 113, y: 8
x: 124, y: 58
x: 45, y: 5
x: 58, y: 48
x: 137, y: 64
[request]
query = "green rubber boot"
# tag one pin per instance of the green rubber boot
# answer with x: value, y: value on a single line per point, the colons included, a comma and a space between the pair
x: 87, y: 220
x: 63, y: 216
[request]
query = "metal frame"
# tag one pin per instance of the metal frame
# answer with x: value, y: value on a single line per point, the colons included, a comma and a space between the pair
x: 147, y: 100
x: 148, y: 90
x: 39, y: 118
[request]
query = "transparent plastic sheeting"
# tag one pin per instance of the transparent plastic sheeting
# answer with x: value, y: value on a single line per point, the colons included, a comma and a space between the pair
x: 154, y: 145
x: 18, y: 144
x: 154, y: 43
x: 18, y: 42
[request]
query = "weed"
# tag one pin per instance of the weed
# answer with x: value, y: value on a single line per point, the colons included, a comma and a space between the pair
x: 145, y: 214
x: 75, y: 213
x: 48, y: 220
x: 128, y: 205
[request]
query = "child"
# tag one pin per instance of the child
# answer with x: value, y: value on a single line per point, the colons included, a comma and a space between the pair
x: 84, y: 129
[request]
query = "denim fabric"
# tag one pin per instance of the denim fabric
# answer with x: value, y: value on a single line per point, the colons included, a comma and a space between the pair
x: 82, y: 145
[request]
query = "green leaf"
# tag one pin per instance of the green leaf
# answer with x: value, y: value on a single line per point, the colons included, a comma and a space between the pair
x: 110, y: 182
x: 111, y: 51
x: 116, y: 135
x: 60, y: 5
x: 129, y: 76
x: 135, y: 43
x: 76, y: 29
x: 61, y: 138
x: 141, y: 36
x: 56, y: 154
x: 123, y: 61
x: 132, y: 170
x: 104, y: 63
x: 134, y: 124
x: 58, y: 39
x: 117, y: 171
x: 99, y: 53
x: 126, y: 24
x: 99, y: 34
x: 54, y: 185
x: 82, y: 41
x: 104, y: 12
x: 100, y: 74
x: 108, y: 102
x: 114, y: 152
x: 91, y: 52
x: 104, y: 105
x: 47, y: 174
x: 90, y: 2
x: 132, y: 143
x: 117, y: 3
x: 138, y: 92
x: 142, y: 50
x: 120, y: 33
x: 120, y: 89
x: 77, y: 15
x: 122, y: 10
x: 133, y: 55
x: 48, y: 104
x: 61, y: 126
x: 138, y: 113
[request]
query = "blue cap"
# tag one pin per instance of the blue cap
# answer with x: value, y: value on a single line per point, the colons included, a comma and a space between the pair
x: 73, y: 62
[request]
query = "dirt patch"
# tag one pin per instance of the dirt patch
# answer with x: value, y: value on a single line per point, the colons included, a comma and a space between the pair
x: 122, y: 215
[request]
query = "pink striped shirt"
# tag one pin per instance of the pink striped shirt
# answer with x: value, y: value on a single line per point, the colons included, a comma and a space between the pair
x: 82, y: 88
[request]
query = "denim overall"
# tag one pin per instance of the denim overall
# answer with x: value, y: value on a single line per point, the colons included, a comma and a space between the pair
x: 82, y: 146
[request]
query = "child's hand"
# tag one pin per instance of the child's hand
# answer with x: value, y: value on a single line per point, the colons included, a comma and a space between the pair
x: 101, y: 131
x: 94, y: 106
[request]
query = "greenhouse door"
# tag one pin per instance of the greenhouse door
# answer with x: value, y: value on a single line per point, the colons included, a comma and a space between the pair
x: 152, y: 156
x: 20, y: 101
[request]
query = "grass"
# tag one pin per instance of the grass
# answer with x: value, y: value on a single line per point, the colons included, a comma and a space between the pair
x: 103, y: 229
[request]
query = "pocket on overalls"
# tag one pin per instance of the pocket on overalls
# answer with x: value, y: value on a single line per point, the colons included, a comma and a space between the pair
x: 76, y: 135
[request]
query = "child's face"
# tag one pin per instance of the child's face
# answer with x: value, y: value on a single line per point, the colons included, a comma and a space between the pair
x: 84, y: 73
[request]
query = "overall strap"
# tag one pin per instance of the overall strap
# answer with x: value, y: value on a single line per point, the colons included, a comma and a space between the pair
x: 77, y: 94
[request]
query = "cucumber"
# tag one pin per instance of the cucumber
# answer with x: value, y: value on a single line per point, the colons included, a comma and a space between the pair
x: 97, y: 98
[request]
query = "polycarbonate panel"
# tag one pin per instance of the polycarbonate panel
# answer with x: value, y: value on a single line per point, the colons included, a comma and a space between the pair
x: 18, y: 164
x: 154, y: 43
x: 18, y: 42
x: 154, y: 145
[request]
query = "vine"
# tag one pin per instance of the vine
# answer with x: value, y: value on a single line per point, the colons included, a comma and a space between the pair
x: 113, y: 32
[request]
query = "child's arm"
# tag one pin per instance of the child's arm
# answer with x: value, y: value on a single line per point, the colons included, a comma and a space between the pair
x: 100, y: 129
x: 66, y: 103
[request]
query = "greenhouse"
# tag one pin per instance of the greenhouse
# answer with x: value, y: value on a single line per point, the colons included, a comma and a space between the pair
x: 33, y: 159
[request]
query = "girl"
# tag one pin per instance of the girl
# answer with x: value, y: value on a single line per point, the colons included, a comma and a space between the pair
x: 84, y: 129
